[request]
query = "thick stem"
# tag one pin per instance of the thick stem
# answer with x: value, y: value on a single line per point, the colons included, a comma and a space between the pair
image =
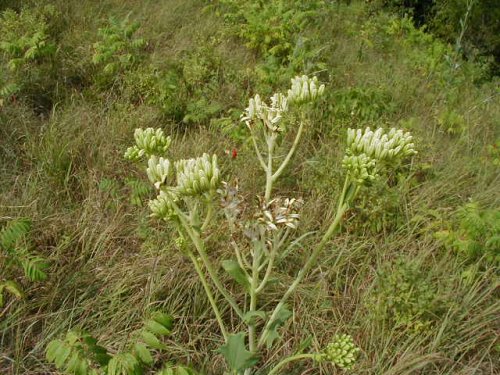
x: 258, y: 153
x: 209, y: 294
x: 269, y: 169
x: 199, y: 245
x: 253, y: 300
x: 290, y: 153
x: 342, y: 207
x: 296, y: 357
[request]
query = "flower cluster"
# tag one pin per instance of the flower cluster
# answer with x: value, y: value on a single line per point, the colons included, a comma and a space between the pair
x: 162, y: 206
x: 340, y: 351
x: 361, y: 168
x: 148, y: 142
x: 158, y: 170
x: 367, y: 151
x: 305, y: 89
x: 280, y: 212
x: 270, y: 115
x: 197, y: 176
x: 380, y: 145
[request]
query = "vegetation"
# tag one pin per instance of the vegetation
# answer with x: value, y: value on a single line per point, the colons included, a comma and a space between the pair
x: 274, y: 232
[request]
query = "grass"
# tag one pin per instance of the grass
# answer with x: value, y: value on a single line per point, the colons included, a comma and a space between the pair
x: 110, y: 263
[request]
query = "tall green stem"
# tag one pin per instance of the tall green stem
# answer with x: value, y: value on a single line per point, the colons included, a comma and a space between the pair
x: 199, y: 245
x: 296, y: 357
x: 342, y: 207
x: 269, y: 169
x: 209, y: 294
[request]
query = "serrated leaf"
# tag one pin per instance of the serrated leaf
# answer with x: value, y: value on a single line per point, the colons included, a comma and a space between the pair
x: 143, y: 353
x: 156, y: 328
x: 236, y: 272
x: 238, y: 358
x: 152, y: 340
x: 251, y: 316
x: 281, y: 318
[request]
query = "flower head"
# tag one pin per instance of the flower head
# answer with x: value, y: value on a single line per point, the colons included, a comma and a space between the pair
x: 148, y: 142
x: 340, y: 351
x: 270, y: 115
x: 389, y: 147
x: 280, y: 212
x: 305, y: 89
x: 197, y: 176
x: 158, y: 170
x: 162, y: 206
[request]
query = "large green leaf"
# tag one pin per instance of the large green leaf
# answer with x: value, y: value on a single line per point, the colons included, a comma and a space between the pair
x: 237, y: 356
x: 281, y: 318
x: 236, y: 272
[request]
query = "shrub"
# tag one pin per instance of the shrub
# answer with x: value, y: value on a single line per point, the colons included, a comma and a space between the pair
x: 29, y: 46
x: 16, y: 255
x: 117, y: 51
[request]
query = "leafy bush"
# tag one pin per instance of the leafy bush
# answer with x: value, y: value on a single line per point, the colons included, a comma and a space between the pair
x: 118, y: 50
x: 270, y: 27
x: 28, y: 41
x: 80, y: 354
x: 405, y: 295
x: 16, y: 255
x: 474, y: 233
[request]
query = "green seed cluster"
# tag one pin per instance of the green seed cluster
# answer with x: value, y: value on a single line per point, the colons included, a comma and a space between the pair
x: 148, y: 142
x: 305, y: 89
x: 341, y: 351
x: 197, y: 176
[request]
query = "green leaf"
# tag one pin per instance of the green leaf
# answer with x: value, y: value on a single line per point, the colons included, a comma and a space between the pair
x: 143, y: 353
x: 251, y: 316
x: 165, y: 320
x: 236, y: 272
x: 50, y: 352
x: 237, y: 356
x: 13, y: 288
x: 152, y: 340
x: 156, y: 328
x: 281, y: 318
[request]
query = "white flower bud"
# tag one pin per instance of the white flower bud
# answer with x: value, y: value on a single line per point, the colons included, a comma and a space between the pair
x: 158, y: 170
x: 197, y: 176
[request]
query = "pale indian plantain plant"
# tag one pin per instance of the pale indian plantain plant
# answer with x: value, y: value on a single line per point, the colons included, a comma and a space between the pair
x: 16, y: 254
x: 79, y: 354
x: 194, y: 199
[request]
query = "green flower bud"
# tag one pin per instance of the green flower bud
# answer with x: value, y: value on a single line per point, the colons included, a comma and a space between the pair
x: 197, y: 176
x: 385, y: 147
x: 151, y: 141
x: 361, y: 168
x: 134, y: 153
x: 341, y: 351
x: 305, y: 89
x: 162, y: 207
x: 158, y: 170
